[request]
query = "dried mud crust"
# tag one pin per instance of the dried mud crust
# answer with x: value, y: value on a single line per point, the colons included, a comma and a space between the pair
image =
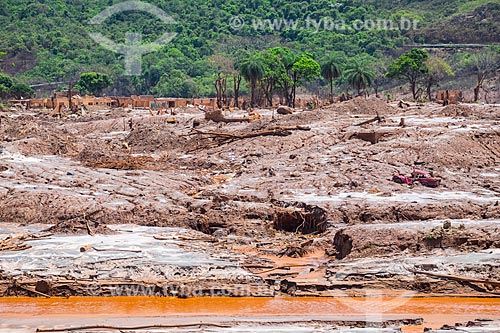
x: 322, y: 161
x: 478, y: 325
x: 369, y: 241
x: 290, y: 195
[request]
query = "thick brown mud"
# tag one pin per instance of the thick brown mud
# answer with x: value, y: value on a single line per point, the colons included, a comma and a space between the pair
x: 436, y: 312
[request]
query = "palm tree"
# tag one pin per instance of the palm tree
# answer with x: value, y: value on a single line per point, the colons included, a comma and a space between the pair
x: 252, y: 69
x: 359, y: 74
x: 330, y: 70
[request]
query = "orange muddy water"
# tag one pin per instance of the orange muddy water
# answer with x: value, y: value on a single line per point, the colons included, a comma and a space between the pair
x: 435, y: 311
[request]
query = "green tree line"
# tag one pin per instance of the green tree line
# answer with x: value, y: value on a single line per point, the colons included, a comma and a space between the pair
x: 48, y: 41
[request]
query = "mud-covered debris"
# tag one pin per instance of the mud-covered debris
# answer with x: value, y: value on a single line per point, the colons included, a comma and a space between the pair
x: 284, y: 110
x: 296, y: 250
x: 370, y: 136
x: 18, y: 243
x: 207, y: 224
x: 417, y: 176
x: 343, y: 244
x: 218, y: 117
x: 402, y: 104
x: 122, y: 163
x: 79, y: 226
x: 299, y: 217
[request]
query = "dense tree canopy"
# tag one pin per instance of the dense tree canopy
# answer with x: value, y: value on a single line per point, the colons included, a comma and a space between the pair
x: 359, y: 74
x: 410, y: 66
x: 93, y: 83
x: 305, y: 68
x: 21, y: 90
x: 252, y: 69
x: 437, y: 70
x: 331, y: 70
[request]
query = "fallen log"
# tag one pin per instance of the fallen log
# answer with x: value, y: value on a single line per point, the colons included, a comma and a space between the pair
x: 184, y: 238
x: 275, y: 131
x: 402, y: 104
x: 122, y: 328
x: 221, y: 138
x: 34, y: 291
x: 19, y: 247
x: 285, y: 267
x: 458, y: 278
x: 17, y: 243
x: 89, y: 247
x: 257, y: 266
x: 369, y: 121
x: 89, y: 230
x: 199, y: 239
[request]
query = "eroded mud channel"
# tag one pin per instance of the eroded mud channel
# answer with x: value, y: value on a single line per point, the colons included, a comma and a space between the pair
x: 122, y: 203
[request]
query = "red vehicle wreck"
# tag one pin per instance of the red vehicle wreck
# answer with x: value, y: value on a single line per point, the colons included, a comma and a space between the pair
x: 417, y: 175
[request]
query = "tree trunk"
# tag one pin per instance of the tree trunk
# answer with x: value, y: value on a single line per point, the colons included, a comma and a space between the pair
x: 414, y: 89
x: 267, y: 87
x: 219, y: 87
x: 477, y: 89
x: 294, y: 86
x: 236, y: 86
x: 331, y: 91
x: 269, y: 95
x: 429, y: 93
x: 286, y: 94
x: 224, y: 91
x: 70, y: 96
x: 476, y: 93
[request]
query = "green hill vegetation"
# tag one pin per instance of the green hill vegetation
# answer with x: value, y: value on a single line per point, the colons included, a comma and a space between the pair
x: 48, y: 41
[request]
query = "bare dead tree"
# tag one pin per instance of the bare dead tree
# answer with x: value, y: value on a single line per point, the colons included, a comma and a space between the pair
x: 486, y: 64
x: 220, y: 85
x: 236, y: 88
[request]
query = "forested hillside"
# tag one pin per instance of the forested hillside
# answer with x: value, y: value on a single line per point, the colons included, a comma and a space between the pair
x: 48, y: 41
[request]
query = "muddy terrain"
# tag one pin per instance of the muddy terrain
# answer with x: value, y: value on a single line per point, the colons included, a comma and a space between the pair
x: 128, y: 202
